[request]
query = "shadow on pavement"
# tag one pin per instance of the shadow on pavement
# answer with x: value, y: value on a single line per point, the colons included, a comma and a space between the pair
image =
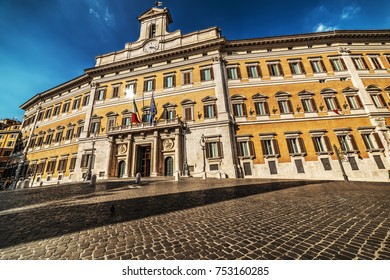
x: 45, y: 222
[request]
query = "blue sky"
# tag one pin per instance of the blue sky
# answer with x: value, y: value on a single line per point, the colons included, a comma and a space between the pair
x: 44, y: 43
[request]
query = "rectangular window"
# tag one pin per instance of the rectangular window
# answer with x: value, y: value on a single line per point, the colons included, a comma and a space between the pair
x: 239, y: 110
x: 209, y: 111
x: 270, y: 147
x: 331, y: 103
x: 48, y: 113
x: 275, y: 69
x: 378, y: 100
x: 233, y: 73
x: 188, y: 114
x: 79, y: 131
x: 285, y: 106
x: 187, y: 77
x: 296, y: 68
x: 100, y: 94
x: 66, y: 107
x: 69, y: 134
x: 86, y: 161
x: 62, y: 165
x: 149, y: 85
x: 72, y: 165
x: 86, y: 100
x: 376, y: 63
x: 76, y: 104
x: 95, y: 126
x: 40, y: 116
x: 253, y: 71
x: 245, y: 149
x: 41, y: 167
x: 169, y: 81
x: 360, y: 63
x: 51, y: 165
x: 262, y: 108
x: 115, y: 92
x: 130, y: 90
x: 58, y: 137
x: 49, y: 138
x: 354, y: 101
x: 318, y: 66
x: 213, y: 150
x: 110, y: 124
x: 206, y: 74
x: 338, y: 64
x: 309, y: 105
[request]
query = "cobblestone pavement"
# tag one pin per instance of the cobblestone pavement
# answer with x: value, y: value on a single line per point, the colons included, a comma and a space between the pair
x: 197, y: 219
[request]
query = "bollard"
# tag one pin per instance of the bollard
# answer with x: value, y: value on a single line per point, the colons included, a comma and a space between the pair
x: 26, y: 184
x: 93, y: 180
x: 138, y: 178
x: 19, y: 184
x: 177, y: 176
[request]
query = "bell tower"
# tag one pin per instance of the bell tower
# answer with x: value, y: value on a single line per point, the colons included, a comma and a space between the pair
x: 154, y: 23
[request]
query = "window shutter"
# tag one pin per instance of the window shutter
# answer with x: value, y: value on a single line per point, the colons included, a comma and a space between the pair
x: 312, y: 66
x: 205, y: 114
x: 211, y: 73
x: 327, y: 143
x: 154, y: 84
x: 257, y: 104
x: 266, y: 107
x: 220, y: 150
x: 313, y: 104
x: 378, y: 140
x: 207, y: 150
x: 258, y: 70
x: 276, y: 146
x: 244, y: 109
x: 340, y: 142
x: 382, y: 100
x: 248, y: 70
x: 251, y: 148
x: 364, y: 63
x: 316, y: 148
x: 349, y: 102
x: 280, y: 69
x: 281, y: 107
x: 323, y: 65
x: 302, y: 67
x: 336, y: 101
x: 174, y: 80
x: 365, y: 141
x: 353, y: 142
x: 354, y: 63
x: 302, y: 145
x: 234, y: 110
x: 215, y: 110
x: 332, y: 64
x: 165, y: 81
x: 289, y: 146
x: 238, y: 72
x: 290, y: 107
x: 343, y: 63
x: 228, y: 73
x: 145, y: 85
x: 263, y: 150
x: 359, y: 101
x: 270, y: 70
x: 291, y: 68
x: 304, y: 106
x: 202, y: 75
x: 239, y: 150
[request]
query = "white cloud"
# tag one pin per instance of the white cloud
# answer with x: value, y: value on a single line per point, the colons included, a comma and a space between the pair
x: 349, y: 12
x: 100, y: 11
x: 322, y: 27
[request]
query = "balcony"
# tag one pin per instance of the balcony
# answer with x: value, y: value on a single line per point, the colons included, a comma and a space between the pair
x: 144, y: 126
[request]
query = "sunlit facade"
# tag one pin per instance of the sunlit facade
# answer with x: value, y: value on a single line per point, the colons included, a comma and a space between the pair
x: 171, y: 104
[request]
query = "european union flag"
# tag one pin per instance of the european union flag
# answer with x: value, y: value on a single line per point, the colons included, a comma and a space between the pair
x: 153, y: 110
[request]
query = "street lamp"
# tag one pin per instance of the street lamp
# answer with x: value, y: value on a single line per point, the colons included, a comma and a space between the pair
x: 202, y: 143
x: 338, y: 152
x: 185, y: 128
x: 89, y: 172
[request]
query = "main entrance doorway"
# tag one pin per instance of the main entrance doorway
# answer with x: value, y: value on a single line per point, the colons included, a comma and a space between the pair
x: 169, y: 166
x: 143, y: 160
x: 121, y: 169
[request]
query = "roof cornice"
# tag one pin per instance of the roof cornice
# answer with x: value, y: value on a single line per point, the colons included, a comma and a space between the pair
x: 313, y: 38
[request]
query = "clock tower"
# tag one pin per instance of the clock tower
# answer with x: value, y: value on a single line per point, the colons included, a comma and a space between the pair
x: 154, y: 25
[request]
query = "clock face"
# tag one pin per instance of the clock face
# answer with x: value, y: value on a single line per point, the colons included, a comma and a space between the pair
x: 151, y: 47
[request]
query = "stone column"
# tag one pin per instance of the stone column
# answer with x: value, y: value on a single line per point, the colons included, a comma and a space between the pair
x: 111, y: 156
x: 155, y: 158
x: 177, y: 151
x: 221, y: 90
